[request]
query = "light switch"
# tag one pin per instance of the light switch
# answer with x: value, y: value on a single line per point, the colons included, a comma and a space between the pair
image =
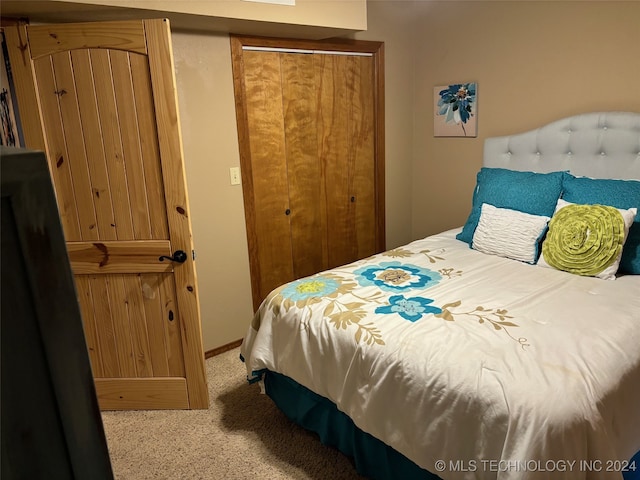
x: 234, y: 174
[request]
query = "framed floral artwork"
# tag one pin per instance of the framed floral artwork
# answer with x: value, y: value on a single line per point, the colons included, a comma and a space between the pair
x: 455, y: 108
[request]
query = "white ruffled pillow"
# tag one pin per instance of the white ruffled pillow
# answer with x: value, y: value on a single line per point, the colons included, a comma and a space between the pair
x: 509, y: 233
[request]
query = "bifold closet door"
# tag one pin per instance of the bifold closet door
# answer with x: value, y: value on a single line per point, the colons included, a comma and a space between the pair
x: 280, y: 92
x: 346, y: 134
x: 309, y: 135
x: 305, y: 173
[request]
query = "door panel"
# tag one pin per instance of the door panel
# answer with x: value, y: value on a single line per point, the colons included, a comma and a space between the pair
x: 146, y: 125
x: 87, y: 92
x: 92, y: 337
x: 346, y: 144
x: 59, y: 166
x: 269, y: 167
x: 108, y: 104
x: 304, y: 169
x: 112, y: 189
x: 132, y: 158
x: 128, y: 256
x: 97, y: 98
x: 362, y: 191
x: 125, y: 35
x: 334, y: 146
x: 142, y: 394
x: 311, y: 127
x: 64, y: 88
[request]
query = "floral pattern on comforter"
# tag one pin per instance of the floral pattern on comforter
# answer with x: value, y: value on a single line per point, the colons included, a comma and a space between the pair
x: 399, y: 288
x: 445, y: 353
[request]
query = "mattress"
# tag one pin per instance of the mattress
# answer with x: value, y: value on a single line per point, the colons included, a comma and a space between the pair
x: 470, y: 365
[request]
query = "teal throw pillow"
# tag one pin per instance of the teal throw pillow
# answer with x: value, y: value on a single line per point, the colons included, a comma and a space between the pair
x: 528, y: 192
x: 617, y: 193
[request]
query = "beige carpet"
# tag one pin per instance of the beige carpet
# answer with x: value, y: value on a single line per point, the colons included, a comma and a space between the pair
x: 241, y: 436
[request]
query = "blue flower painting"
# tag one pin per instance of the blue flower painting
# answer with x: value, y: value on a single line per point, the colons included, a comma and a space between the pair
x: 455, y: 110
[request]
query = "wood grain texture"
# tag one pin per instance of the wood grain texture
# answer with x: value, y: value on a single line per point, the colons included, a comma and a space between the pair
x: 139, y: 330
x: 50, y: 39
x: 154, y: 314
x: 347, y: 146
x: 94, y: 150
x: 379, y: 115
x: 362, y: 194
x: 335, y: 188
x: 249, y: 201
x: 85, y: 300
x: 269, y: 167
x: 150, y: 154
x: 170, y: 146
x: 109, y: 113
x: 56, y: 146
x: 144, y: 340
x: 26, y: 93
x: 132, y: 160
x: 134, y: 394
x: 105, y: 330
x: 76, y: 157
x: 335, y: 82
x: 119, y: 257
x: 112, y: 143
x: 172, y: 328
x: 309, y: 251
x: 121, y: 325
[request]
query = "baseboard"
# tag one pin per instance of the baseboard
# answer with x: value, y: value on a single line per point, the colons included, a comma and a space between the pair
x: 222, y: 349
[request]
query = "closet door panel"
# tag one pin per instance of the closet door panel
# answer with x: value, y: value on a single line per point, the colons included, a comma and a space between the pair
x: 311, y: 135
x: 334, y: 149
x: 304, y: 172
x: 268, y: 168
x: 362, y: 158
x: 346, y: 146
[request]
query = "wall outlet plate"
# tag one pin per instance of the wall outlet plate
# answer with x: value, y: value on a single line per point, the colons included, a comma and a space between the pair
x: 234, y: 175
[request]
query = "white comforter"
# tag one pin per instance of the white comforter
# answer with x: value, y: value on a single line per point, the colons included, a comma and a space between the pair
x: 471, y: 365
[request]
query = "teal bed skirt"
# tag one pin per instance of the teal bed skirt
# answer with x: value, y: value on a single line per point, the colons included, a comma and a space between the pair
x: 372, y: 458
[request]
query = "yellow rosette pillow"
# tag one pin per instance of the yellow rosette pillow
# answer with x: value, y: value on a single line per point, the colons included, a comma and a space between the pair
x: 586, y: 239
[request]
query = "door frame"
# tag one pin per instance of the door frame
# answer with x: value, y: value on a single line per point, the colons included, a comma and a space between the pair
x: 376, y: 49
x: 15, y: 32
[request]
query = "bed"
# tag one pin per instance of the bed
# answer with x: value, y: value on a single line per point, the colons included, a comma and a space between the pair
x: 508, y: 348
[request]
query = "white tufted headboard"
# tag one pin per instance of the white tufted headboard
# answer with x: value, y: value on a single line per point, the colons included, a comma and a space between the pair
x: 597, y: 145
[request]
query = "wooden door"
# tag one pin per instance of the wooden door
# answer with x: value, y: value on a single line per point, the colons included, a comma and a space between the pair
x: 310, y: 123
x: 306, y: 196
x: 107, y: 102
x: 346, y: 145
x: 280, y: 92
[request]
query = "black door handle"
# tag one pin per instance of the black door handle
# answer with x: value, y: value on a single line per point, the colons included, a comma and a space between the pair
x: 178, y: 256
